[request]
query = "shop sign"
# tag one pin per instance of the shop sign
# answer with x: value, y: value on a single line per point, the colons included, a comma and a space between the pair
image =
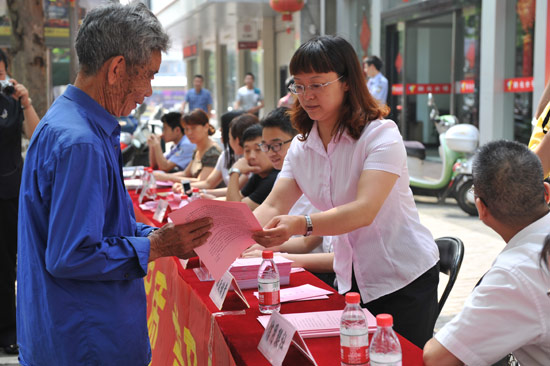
x: 518, y: 85
x: 465, y: 86
x: 190, y: 51
x: 397, y: 89
x: 247, y: 35
x: 416, y: 89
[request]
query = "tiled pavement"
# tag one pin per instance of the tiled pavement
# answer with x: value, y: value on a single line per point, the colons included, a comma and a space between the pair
x: 481, y: 243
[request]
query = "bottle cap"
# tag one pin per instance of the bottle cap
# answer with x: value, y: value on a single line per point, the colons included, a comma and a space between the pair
x: 195, y: 190
x: 353, y: 298
x: 184, y: 197
x: 384, y: 320
x: 267, y: 254
x: 149, y: 169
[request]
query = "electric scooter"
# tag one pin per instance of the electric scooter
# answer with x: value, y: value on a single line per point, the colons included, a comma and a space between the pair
x: 458, y: 143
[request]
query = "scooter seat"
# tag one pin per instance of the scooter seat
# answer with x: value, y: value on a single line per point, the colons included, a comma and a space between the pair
x: 415, y: 149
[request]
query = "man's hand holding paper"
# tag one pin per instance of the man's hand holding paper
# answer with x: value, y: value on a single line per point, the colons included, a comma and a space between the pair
x: 179, y: 240
x: 234, y: 224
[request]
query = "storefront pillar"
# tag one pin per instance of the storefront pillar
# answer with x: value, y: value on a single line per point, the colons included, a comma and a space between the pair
x: 541, y: 57
x: 493, y: 122
x: 268, y: 73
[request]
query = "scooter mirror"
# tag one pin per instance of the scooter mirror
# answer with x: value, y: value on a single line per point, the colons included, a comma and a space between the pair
x: 430, y: 100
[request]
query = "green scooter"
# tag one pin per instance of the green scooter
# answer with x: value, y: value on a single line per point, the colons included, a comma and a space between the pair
x: 458, y: 143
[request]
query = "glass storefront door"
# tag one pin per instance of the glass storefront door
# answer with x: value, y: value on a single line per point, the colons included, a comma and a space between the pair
x: 434, y: 53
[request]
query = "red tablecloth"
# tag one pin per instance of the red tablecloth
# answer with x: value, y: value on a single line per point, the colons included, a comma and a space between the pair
x: 241, y: 333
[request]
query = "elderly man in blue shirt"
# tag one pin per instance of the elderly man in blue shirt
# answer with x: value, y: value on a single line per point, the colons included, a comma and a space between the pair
x: 82, y: 256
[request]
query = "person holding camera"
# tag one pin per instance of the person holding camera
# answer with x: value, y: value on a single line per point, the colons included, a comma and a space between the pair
x: 17, y: 116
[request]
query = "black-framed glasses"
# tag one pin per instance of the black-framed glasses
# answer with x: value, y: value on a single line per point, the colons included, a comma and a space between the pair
x: 299, y: 89
x: 473, y: 192
x: 275, y: 147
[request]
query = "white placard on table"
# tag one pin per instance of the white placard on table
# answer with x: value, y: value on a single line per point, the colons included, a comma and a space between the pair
x: 222, y: 286
x: 160, y: 212
x: 276, y: 340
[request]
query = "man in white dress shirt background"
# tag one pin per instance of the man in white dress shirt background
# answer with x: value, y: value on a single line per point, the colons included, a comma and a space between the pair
x: 509, y: 310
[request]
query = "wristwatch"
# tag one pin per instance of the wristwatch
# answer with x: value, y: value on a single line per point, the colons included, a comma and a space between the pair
x: 235, y: 170
x: 309, y: 226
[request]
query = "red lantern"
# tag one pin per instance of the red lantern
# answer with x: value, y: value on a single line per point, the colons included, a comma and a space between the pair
x: 287, y: 7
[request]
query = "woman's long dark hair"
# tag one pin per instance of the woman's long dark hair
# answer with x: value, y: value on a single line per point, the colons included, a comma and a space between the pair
x: 225, y: 121
x: 334, y: 54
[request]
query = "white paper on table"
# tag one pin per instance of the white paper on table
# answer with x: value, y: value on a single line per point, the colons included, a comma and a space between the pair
x: 297, y: 269
x: 231, y: 233
x: 319, y: 323
x: 303, y: 292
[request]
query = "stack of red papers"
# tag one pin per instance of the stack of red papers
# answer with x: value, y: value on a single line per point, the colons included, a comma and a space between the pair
x: 245, y: 271
x: 320, y: 323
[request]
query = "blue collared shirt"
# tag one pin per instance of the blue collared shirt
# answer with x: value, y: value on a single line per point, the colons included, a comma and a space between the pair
x: 201, y: 100
x: 181, y: 153
x: 81, y: 257
x: 378, y: 87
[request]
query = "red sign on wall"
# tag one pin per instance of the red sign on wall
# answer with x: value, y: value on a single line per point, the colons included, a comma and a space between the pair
x: 190, y: 51
x: 518, y: 85
x: 415, y: 89
x: 247, y: 45
x: 465, y: 86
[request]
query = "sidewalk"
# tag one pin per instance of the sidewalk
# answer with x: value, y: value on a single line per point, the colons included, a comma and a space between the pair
x: 8, y: 360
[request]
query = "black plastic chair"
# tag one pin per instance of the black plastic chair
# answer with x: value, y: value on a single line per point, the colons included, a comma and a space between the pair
x: 451, y: 253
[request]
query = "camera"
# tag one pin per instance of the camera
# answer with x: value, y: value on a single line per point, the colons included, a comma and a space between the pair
x: 6, y: 87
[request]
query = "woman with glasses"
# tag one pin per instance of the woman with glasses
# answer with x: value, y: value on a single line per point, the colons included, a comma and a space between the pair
x: 351, y: 164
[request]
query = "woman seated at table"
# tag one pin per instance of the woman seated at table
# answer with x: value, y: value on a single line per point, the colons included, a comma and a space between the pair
x: 233, y: 126
x: 198, y: 129
x: 351, y: 164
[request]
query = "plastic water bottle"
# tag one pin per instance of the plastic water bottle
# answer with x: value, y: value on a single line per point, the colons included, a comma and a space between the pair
x: 268, y: 284
x: 194, y: 195
x: 354, y: 333
x: 184, y: 200
x: 385, y: 349
x: 149, y: 183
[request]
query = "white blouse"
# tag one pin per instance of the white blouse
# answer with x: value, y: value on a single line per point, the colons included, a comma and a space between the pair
x: 396, y: 248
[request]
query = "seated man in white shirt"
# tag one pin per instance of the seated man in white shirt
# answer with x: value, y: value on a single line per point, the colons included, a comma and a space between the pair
x: 509, y: 311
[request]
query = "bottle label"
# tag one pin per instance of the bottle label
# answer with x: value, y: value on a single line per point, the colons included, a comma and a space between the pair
x: 354, y: 355
x: 269, y: 298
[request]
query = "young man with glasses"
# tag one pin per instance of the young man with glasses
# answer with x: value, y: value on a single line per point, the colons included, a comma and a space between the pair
x: 255, y: 161
x: 509, y: 310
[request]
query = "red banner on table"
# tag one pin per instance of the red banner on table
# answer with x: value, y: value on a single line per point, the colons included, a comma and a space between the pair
x: 180, y: 326
x: 415, y: 89
x: 518, y: 85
